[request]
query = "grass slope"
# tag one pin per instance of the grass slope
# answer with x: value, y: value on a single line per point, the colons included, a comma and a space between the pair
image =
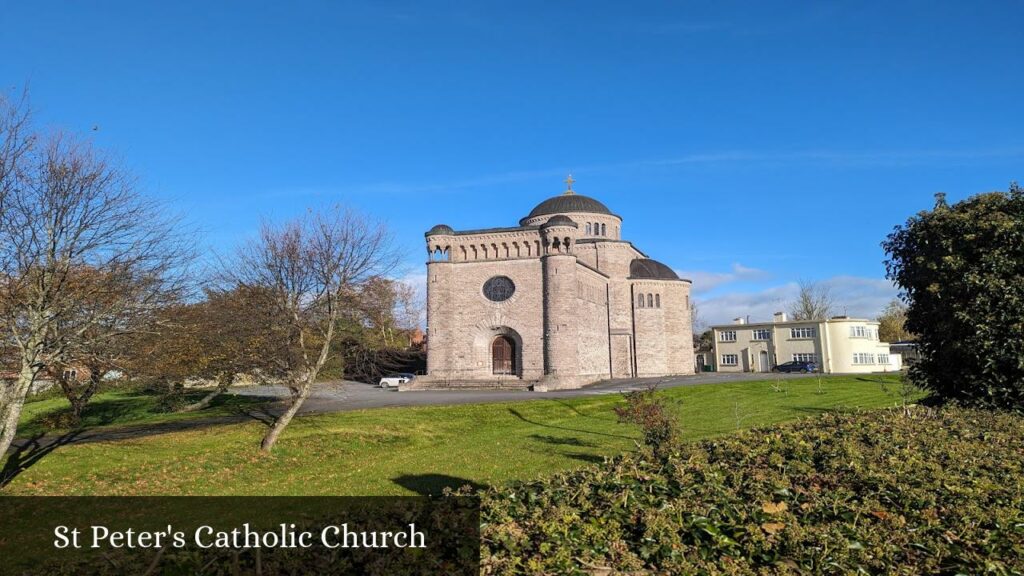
x: 421, y: 449
x: 118, y: 408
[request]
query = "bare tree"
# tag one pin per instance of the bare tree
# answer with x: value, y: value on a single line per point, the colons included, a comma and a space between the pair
x: 85, y: 260
x: 389, y: 306
x: 15, y: 142
x: 813, y: 302
x: 892, y: 323
x: 314, y: 268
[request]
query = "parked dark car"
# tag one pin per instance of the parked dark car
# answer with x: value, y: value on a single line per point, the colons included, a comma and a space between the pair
x: 795, y: 366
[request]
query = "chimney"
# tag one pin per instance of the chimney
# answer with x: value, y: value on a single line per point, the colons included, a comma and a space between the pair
x: 779, y: 317
x: 740, y: 320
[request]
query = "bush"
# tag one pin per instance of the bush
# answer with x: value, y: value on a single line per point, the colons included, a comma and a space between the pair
x: 648, y: 410
x: 938, y: 492
x: 960, y: 269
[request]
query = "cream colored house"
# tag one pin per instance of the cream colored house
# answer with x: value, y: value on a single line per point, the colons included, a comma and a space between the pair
x: 836, y: 345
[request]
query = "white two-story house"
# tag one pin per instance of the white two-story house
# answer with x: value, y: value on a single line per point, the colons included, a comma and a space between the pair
x: 837, y: 345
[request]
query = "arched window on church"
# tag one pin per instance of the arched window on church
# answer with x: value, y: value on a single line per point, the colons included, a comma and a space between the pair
x: 588, y: 228
x: 657, y: 300
x: 640, y: 301
x: 604, y: 231
x: 650, y: 300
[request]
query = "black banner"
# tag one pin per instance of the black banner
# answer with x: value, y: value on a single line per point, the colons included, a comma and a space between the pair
x: 239, y: 535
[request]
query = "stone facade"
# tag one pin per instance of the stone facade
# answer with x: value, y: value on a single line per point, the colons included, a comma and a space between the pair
x: 559, y: 301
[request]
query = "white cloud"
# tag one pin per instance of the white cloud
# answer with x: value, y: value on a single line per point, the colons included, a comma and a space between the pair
x: 853, y: 295
x: 704, y: 280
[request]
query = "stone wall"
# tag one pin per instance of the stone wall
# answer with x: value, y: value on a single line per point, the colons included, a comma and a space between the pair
x: 678, y: 327
x: 592, y: 319
x: 649, y: 324
x: 462, y: 322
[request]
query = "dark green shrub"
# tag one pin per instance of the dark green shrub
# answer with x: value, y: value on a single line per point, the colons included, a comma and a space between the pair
x: 961, y: 270
x: 649, y: 411
x: 938, y: 492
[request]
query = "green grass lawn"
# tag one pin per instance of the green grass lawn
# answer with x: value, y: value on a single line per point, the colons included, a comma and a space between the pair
x: 421, y: 449
x: 119, y: 408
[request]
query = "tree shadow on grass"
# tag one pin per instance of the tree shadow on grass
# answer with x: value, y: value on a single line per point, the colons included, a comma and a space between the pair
x: 576, y: 411
x: 434, y: 484
x: 257, y: 413
x: 31, y: 451
x: 519, y: 415
x: 562, y: 441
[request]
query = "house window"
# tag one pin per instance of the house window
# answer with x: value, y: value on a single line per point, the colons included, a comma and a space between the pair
x: 70, y: 375
x: 727, y: 336
x: 801, y: 333
x: 801, y: 357
x: 858, y: 332
x: 883, y: 359
x: 862, y: 358
x: 762, y: 334
x: 657, y: 300
x: 730, y: 359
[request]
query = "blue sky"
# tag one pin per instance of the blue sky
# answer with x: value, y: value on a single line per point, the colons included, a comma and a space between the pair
x: 747, y: 145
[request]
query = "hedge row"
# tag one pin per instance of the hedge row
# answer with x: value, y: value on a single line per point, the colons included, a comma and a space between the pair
x: 936, y: 492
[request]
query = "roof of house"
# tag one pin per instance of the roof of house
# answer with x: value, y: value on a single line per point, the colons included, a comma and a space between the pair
x: 791, y: 322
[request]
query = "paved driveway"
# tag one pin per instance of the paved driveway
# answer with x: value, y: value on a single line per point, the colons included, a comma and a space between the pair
x: 345, y: 395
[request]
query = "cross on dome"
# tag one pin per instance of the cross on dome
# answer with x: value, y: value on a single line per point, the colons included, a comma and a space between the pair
x: 568, y: 182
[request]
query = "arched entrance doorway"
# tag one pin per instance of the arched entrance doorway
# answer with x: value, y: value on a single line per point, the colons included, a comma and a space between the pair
x: 503, y: 356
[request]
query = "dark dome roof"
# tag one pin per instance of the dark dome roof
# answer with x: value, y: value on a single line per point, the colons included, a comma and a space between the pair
x: 647, y: 268
x: 568, y: 203
x: 440, y: 229
x: 560, y: 220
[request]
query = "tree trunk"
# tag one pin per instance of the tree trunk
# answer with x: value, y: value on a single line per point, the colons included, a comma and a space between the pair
x: 282, y: 422
x: 310, y: 376
x: 79, y: 398
x: 223, y: 381
x: 79, y: 402
x: 10, y: 412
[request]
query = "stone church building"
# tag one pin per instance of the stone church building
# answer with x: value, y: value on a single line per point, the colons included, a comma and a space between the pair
x: 559, y: 301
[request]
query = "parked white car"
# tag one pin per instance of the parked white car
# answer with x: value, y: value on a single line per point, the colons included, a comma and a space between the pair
x: 394, y: 380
